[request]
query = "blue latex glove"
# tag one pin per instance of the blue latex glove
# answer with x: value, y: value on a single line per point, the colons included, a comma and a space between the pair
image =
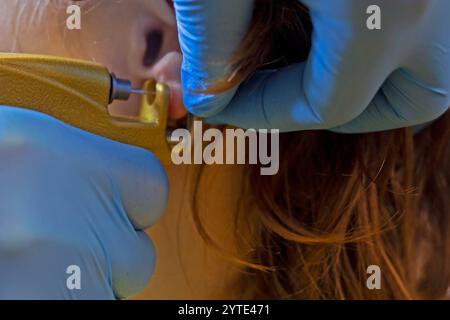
x: 70, y: 198
x: 355, y: 80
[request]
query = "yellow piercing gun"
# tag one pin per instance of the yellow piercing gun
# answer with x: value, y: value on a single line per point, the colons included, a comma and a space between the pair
x: 79, y: 92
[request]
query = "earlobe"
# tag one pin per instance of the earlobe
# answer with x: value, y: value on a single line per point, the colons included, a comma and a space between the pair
x: 167, y: 70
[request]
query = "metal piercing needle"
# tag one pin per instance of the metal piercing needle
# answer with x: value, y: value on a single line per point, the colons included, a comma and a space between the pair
x: 122, y: 89
x: 140, y: 91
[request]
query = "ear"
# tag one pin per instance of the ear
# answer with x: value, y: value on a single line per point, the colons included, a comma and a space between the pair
x: 168, y: 70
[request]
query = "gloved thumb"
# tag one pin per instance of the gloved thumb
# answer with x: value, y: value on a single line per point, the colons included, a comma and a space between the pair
x: 141, y: 182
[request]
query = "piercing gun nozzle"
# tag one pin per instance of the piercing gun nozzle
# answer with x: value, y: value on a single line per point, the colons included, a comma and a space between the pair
x: 122, y: 89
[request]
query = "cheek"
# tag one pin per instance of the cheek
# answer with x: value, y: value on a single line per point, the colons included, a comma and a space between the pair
x: 40, y: 36
x: 6, y: 25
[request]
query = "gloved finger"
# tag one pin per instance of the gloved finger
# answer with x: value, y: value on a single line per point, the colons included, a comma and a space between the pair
x: 210, y: 32
x: 132, y: 263
x: 141, y: 183
x: 278, y: 100
x: 403, y: 101
x: 27, y: 267
x: 333, y: 87
x: 137, y: 175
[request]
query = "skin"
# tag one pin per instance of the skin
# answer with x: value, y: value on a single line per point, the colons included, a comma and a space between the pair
x: 186, y: 267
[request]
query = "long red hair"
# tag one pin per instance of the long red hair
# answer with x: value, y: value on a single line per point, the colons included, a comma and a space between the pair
x: 339, y: 203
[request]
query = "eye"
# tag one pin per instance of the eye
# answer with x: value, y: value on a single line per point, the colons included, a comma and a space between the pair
x: 154, y: 42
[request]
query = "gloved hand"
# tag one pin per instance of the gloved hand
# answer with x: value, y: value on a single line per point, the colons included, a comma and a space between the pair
x: 73, y: 202
x: 355, y: 80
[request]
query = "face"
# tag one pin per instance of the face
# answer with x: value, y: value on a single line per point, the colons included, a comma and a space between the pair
x: 135, y: 39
